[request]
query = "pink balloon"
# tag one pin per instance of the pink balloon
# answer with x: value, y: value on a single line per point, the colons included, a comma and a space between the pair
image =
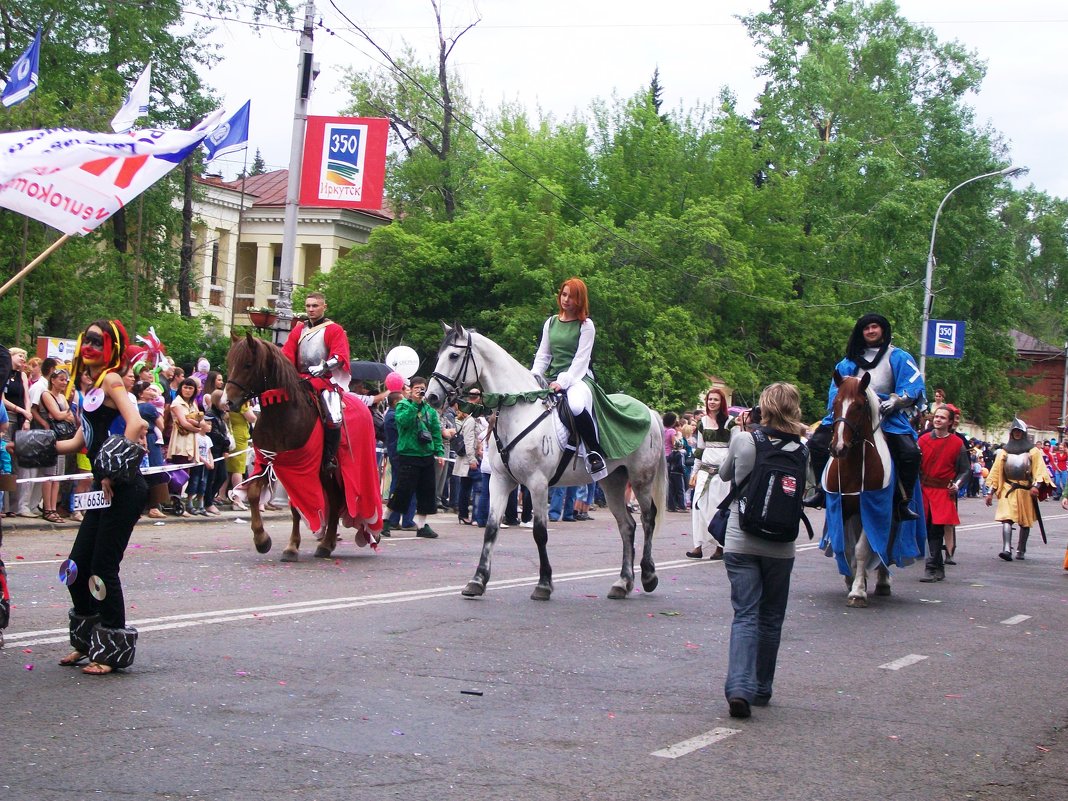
x: 394, y: 382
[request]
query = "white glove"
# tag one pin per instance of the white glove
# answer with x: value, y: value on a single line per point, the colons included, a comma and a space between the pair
x: 891, y: 404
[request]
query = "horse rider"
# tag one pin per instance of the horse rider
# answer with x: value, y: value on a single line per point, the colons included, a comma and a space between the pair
x: 1016, y: 478
x: 899, y: 384
x: 565, y: 351
x: 319, y: 349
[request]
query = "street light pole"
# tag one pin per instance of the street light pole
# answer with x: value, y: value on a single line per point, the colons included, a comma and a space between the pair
x: 928, y: 292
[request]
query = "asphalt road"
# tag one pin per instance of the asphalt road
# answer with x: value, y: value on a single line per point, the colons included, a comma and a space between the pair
x: 368, y: 676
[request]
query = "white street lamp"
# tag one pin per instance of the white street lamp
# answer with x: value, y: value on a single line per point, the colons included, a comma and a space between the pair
x: 928, y: 294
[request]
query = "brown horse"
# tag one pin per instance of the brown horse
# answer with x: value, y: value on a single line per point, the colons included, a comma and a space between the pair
x: 860, y: 462
x: 288, y: 418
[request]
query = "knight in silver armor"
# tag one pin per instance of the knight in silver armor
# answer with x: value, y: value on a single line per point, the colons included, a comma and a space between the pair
x: 1016, y: 479
x: 319, y: 348
x: 899, y: 384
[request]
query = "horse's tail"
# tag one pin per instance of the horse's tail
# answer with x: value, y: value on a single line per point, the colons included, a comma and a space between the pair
x: 660, y: 481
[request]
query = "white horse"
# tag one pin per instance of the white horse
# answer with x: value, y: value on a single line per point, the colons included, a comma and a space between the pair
x: 525, y: 449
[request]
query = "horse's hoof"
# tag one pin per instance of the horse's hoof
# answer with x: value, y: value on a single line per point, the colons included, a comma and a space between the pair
x: 650, y: 584
x: 856, y: 602
x: 322, y: 552
x: 263, y: 546
x: 617, y: 593
x: 541, y: 593
x: 882, y: 589
x: 290, y: 556
x: 474, y: 589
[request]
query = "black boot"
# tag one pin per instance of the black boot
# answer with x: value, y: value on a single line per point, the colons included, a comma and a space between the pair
x: 331, y: 442
x: 588, y: 432
x: 819, y: 454
x: 906, y: 456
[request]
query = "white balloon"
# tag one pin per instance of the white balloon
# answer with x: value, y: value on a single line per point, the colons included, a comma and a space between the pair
x: 403, y: 360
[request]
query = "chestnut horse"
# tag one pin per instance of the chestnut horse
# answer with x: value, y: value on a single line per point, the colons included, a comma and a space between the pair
x: 860, y: 462
x: 256, y: 368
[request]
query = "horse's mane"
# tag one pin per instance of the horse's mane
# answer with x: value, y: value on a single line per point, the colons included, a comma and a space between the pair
x: 268, y: 365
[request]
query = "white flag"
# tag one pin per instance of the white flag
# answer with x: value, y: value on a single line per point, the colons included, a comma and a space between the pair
x: 74, y: 180
x: 136, y: 104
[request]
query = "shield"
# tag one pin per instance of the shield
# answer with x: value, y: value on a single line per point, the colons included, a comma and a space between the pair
x: 368, y: 371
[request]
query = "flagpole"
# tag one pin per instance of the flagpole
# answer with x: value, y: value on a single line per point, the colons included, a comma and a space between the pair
x: 29, y: 267
x: 284, y: 297
x: 25, y: 237
x: 240, y: 222
x: 138, y: 261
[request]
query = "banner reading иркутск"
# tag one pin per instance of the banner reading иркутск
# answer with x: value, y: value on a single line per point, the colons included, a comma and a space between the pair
x: 344, y: 162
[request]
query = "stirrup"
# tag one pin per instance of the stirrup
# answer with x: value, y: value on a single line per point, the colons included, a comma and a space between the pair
x: 595, y: 464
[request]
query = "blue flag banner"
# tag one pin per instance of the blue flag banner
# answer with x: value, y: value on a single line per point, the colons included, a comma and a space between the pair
x: 231, y: 135
x: 945, y: 339
x: 23, y: 76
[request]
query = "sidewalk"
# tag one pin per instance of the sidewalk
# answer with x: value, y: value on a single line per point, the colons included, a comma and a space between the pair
x: 29, y: 524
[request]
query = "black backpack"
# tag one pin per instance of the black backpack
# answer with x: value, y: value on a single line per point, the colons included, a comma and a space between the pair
x: 459, y: 447
x: 771, y: 504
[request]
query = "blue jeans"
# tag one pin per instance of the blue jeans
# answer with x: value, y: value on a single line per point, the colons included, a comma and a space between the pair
x: 760, y: 588
x: 483, y: 500
x: 562, y: 503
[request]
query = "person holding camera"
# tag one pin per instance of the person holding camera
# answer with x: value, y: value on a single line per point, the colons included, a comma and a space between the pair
x: 419, y: 454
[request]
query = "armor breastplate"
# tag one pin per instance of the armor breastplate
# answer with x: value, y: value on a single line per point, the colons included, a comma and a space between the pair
x: 1018, y: 467
x: 311, y: 350
x: 882, y: 374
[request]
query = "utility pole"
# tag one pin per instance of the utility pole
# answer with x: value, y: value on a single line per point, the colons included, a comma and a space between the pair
x: 284, y: 302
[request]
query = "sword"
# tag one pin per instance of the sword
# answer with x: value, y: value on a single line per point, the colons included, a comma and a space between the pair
x: 1038, y: 518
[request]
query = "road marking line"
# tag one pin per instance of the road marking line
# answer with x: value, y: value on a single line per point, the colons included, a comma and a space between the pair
x: 904, y: 661
x: 216, y: 550
x: 13, y: 563
x: 695, y: 743
x: 182, y: 621
x: 1012, y: 621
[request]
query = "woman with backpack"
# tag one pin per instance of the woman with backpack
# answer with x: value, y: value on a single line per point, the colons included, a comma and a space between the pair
x: 758, y: 559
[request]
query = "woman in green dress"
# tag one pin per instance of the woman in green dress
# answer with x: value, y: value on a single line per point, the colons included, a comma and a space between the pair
x: 563, y: 358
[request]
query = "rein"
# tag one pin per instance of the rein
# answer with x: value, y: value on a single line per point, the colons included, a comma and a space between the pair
x: 493, y: 402
x: 867, y: 439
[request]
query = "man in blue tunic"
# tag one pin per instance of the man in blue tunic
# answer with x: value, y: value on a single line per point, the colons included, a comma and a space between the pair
x: 899, y: 384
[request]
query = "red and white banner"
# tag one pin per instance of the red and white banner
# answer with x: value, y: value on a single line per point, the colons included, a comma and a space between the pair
x: 344, y: 162
x: 74, y: 180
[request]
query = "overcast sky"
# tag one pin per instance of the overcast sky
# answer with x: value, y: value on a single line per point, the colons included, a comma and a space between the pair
x: 557, y: 56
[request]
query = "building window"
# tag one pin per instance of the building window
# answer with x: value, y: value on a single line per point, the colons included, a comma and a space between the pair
x: 215, y: 263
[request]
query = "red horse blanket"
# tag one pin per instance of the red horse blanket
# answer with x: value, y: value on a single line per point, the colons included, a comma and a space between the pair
x: 298, y: 470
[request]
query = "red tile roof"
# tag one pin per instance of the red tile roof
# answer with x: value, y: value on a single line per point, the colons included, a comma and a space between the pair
x: 270, y: 190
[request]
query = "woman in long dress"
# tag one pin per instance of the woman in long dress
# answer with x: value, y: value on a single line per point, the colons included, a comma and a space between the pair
x: 713, y: 437
x: 564, y: 359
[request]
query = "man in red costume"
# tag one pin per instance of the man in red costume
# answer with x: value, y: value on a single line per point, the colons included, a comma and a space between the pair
x: 944, y: 467
x: 319, y: 349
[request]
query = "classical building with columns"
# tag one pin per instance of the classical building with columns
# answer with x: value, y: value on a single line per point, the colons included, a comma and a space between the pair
x: 238, y: 242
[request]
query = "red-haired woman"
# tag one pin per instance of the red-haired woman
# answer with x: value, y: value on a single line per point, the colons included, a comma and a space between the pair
x: 98, y: 628
x: 564, y: 359
x: 713, y: 437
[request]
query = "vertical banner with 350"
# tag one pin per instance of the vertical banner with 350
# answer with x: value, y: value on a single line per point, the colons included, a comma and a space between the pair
x: 344, y: 162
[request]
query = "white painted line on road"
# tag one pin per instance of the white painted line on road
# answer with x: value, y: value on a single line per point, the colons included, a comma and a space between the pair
x: 47, y: 636
x: 695, y: 743
x: 904, y: 661
x: 1012, y: 621
x: 216, y: 550
x: 12, y: 564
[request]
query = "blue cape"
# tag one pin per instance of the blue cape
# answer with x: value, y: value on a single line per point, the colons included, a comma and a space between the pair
x: 876, y: 511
